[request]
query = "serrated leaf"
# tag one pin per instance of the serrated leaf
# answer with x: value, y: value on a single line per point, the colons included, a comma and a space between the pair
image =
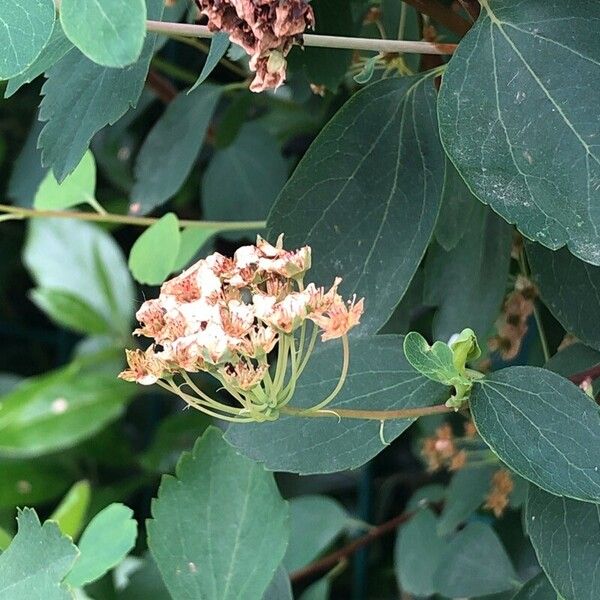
x: 25, y: 28
x: 232, y: 533
x: 315, y: 523
x: 59, y: 409
x: 67, y: 310
x: 468, y: 283
x: 379, y: 378
x: 171, y: 148
x: 35, y: 563
x: 77, y: 188
x: 105, y: 542
x: 109, y: 32
x: 81, y: 259
x: 570, y: 289
x: 53, y: 51
x: 243, y: 180
x: 525, y: 145
x: 152, y: 257
x: 477, y: 552
x: 70, y: 514
x: 81, y: 97
x: 538, y: 588
x: 543, y: 427
x: 218, y: 47
x: 566, y: 537
x: 417, y: 554
x: 455, y: 212
x: 366, y: 195
x: 466, y: 493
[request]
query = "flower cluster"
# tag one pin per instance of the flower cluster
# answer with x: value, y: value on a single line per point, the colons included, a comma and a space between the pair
x: 265, y: 29
x: 226, y: 316
x: 512, y: 325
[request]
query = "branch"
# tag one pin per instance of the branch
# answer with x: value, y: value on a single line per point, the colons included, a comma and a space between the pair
x: 329, y: 561
x: 320, y: 41
x: 19, y: 213
x: 443, y: 15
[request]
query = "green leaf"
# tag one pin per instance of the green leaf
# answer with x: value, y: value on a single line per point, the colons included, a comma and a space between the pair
x: 231, y: 524
x: 59, y: 409
x: 171, y: 148
x: 366, y: 74
x: 436, y: 362
x: 566, y: 537
x: 280, y: 587
x: 455, y: 213
x: 5, y: 539
x: 67, y: 310
x: 146, y: 583
x: 25, y: 28
x: 538, y: 588
x: 53, y: 51
x: 570, y: 288
x: 466, y: 493
x: 543, y: 427
x: 36, y: 561
x: 525, y: 145
x: 315, y: 523
x: 77, y: 188
x: 474, y: 563
x: 380, y: 378
x: 417, y: 554
x: 105, y: 542
x: 109, y: 32
x: 428, y: 494
x: 467, y: 284
x: 218, y: 47
x: 243, y: 180
x: 70, y: 514
x: 82, y: 260
x: 365, y: 197
x: 191, y: 241
x: 174, y: 435
x: 95, y: 96
x: 573, y: 359
x: 317, y: 591
x: 154, y: 253
x: 27, y: 482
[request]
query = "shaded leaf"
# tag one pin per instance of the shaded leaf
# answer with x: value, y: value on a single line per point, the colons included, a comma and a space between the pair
x: 25, y: 28
x: 154, y: 253
x: 379, y: 378
x: 468, y: 283
x: 570, y: 288
x: 82, y: 260
x: 543, y: 427
x: 573, y: 359
x: 315, y: 523
x: 105, y: 542
x: 566, y: 537
x: 36, y: 561
x: 525, y: 144
x: 538, y: 588
x: 233, y: 532
x: 317, y: 591
x: 109, y: 32
x: 476, y: 551
x: 171, y: 148
x: 365, y: 196
x: 70, y: 514
x: 417, y: 554
x: 280, y: 587
x: 218, y: 47
x: 81, y: 97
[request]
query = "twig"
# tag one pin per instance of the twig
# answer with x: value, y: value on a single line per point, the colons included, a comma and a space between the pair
x: 443, y: 15
x: 127, y: 219
x: 334, y: 558
x: 320, y: 41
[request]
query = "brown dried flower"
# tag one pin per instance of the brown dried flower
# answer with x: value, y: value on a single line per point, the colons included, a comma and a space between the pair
x: 500, y: 490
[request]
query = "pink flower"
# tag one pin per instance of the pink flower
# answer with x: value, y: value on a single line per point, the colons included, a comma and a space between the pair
x: 339, y: 318
x: 144, y: 367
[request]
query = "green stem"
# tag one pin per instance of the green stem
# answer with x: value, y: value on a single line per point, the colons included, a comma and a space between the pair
x: 370, y: 415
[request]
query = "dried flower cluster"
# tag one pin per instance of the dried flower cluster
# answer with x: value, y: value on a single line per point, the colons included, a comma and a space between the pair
x: 512, y: 325
x: 501, y: 488
x: 440, y: 451
x: 226, y: 316
x: 265, y: 29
